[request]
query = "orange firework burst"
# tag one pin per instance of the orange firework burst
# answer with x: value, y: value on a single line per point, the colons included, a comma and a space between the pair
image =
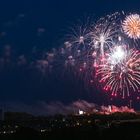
x: 131, y: 26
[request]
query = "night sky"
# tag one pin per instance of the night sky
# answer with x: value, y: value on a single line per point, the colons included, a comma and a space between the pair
x: 29, y: 24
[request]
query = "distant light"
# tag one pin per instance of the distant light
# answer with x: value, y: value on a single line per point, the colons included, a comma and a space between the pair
x: 43, y: 130
x: 81, y: 112
x: 4, y: 132
x: 77, y: 123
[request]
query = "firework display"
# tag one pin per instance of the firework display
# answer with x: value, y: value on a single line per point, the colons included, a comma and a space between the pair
x: 105, y: 52
x: 102, y: 51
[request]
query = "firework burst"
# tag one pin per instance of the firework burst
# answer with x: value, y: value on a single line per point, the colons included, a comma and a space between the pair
x: 104, y: 33
x: 120, y: 72
x: 131, y: 26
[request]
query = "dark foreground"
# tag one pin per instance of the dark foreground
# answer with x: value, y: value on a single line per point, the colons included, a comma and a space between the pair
x: 117, y: 126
